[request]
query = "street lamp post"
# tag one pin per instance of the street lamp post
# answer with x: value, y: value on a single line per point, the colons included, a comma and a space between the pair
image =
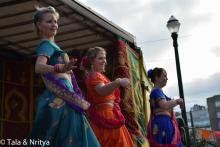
x: 173, y: 26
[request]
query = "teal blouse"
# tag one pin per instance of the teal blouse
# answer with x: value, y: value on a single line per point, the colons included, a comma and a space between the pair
x: 51, y: 51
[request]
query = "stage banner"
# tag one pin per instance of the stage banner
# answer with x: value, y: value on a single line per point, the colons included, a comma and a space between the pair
x: 141, y: 88
x: 134, y: 101
x: 16, y: 99
x: 1, y: 96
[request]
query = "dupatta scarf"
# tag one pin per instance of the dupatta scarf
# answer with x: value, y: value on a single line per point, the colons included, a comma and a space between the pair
x: 108, y: 123
x: 176, y: 137
x: 73, y: 98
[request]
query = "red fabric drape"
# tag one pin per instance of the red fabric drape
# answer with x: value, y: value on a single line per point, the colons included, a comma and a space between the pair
x: 127, y: 101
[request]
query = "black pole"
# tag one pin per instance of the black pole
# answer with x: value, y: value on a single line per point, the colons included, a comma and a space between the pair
x: 183, y: 110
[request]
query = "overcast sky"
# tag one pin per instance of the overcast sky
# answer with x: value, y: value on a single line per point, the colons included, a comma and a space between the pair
x: 199, y: 41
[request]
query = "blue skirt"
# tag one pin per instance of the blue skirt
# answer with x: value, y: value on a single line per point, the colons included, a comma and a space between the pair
x: 163, y: 130
x: 58, y: 125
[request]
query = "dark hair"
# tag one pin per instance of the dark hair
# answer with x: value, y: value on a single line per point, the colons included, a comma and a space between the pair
x: 40, y: 11
x: 153, y: 73
x: 90, y: 56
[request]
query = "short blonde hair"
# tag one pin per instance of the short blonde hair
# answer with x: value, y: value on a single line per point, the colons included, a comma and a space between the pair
x: 40, y: 11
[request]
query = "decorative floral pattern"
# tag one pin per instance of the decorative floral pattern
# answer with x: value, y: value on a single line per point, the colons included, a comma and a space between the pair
x: 57, y: 103
x: 75, y: 101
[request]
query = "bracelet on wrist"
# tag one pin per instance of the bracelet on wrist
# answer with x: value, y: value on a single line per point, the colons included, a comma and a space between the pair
x: 118, y: 81
x: 58, y: 68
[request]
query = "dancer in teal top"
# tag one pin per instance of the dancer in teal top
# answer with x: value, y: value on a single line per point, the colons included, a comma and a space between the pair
x: 60, y: 119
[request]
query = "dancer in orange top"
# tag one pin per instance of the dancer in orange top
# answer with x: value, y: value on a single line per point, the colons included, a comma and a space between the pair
x: 105, y: 115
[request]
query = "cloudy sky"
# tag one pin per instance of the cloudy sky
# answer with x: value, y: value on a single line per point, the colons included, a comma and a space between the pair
x: 199, y: 41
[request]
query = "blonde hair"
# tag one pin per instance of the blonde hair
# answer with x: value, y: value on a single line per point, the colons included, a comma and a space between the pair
x: 40, y: 11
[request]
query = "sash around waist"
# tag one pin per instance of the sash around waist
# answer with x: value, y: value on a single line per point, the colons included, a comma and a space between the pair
x: 103, y: 119
x: 108, y: 104
x: 159, y: 111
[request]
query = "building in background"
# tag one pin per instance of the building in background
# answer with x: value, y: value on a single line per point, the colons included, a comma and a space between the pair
x: 214, y: 114
x: 214, y: 111
x: 199, y: 117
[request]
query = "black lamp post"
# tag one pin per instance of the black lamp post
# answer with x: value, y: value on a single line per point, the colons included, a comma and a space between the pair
x: 173, y: 26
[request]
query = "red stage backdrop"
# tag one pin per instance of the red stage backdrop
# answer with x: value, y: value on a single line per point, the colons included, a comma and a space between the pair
x: 16, y: 99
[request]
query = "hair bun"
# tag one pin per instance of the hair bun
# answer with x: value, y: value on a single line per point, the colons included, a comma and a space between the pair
x: 150, y: 73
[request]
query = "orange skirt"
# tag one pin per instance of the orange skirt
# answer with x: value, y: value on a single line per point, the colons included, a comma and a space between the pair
x: 118, y: 137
